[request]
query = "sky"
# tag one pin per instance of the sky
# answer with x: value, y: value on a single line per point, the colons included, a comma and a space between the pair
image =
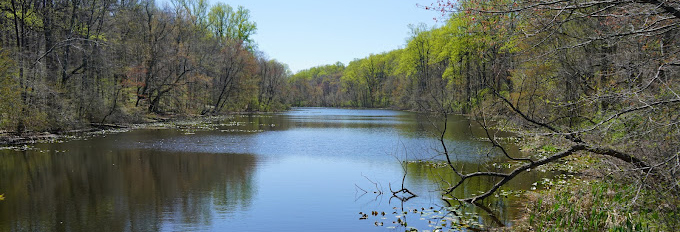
x: 309, y: 33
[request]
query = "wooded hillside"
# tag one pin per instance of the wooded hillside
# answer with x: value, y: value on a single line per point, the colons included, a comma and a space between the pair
x: 594, y: 78
x: 74, y: 62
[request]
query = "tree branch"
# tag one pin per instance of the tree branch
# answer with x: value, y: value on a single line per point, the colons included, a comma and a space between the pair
x: 578, y: 147
x: 517, y: 171
x: 667, y: 8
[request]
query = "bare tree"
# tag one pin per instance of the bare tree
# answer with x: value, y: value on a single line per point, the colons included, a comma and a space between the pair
x: 233, y: 72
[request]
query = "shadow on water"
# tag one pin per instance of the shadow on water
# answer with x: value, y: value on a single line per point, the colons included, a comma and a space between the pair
x: 497, y: 210
x: 94, y: 189
x: 292, y: 171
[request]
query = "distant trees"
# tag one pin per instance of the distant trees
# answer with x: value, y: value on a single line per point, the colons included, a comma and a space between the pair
x: 442, y: 68
x: 77, y: 62
x: 272, y: 80
x: 598, y: 77
x: 366, y: 79
x: 318, y: 86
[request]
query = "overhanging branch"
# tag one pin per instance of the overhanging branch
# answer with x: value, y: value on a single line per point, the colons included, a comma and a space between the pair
x: 509, y: 176
x: 506, y: 177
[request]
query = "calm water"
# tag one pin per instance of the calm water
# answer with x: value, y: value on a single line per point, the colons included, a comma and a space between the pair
x: 302, y: 170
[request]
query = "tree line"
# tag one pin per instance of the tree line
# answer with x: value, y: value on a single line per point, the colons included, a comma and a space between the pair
x: 444, y: 67
x: 596, y: 78
x: 67, y: 63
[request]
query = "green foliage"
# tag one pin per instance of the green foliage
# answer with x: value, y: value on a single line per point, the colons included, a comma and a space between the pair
x: 227, y: 23
x: 220, y: 20
x: 317, y: 86
x: 418, y: 52
x: 78, y: 62
x: 319, y: 71
x: 594, y: 206
x: 23, y: 12
x: 549, y: 148
x: 439, y: 69
x: 366, y: 77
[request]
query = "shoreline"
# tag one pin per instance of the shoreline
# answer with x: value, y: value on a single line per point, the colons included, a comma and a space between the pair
x: 8, y: 138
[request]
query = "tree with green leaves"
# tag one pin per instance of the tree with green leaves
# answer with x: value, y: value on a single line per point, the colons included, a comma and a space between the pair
x: 272, y: 77
x: 598, y: 78
x: 318, y: 86
x: 366, y: 78
x: 81, y: 62
x: 229, y: 24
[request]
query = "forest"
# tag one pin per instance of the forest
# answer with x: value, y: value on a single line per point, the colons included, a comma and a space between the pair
x: 66, y: 64
x: 596, y: 78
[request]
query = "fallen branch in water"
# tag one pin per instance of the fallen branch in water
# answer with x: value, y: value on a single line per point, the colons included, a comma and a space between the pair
x: 506, y: 177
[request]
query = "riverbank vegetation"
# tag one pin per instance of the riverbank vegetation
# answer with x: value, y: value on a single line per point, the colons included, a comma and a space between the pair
x: 67, y: 64
x: 589, y: 78
x: 595, y: 79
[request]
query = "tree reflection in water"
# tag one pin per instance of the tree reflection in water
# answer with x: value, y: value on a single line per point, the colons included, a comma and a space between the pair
x: 91, y: 189
x: 287, y: 172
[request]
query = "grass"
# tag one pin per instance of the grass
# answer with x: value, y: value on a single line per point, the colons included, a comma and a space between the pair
x: 594, y: 196
x: 597, y: 205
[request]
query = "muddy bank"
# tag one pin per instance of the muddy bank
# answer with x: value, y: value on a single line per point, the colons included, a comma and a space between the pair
x: 13, y: 139
x: 8, y: 138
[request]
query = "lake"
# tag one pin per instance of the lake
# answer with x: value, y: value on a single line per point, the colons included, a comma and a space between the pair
x: 307, y: 169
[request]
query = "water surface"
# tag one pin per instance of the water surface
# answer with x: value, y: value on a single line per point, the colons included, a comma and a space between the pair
x: 301, y: 170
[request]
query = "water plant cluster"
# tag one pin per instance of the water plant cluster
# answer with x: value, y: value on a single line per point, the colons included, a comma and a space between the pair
x: 425, y: 219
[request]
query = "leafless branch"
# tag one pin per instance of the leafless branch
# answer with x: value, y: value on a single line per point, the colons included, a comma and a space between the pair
x: 378, y: 190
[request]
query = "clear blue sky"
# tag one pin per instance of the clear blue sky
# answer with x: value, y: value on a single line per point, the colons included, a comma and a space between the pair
x: 308, y: 33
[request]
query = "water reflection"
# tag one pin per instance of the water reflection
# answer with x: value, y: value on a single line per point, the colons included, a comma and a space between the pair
x: 297, y: 170
x: 494, y: 211
x: 119, y: 190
